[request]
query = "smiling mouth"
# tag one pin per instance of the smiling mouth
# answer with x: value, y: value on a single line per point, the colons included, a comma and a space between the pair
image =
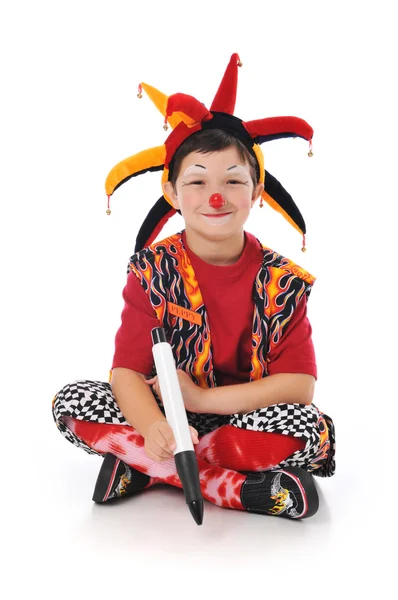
x: 217, y: 215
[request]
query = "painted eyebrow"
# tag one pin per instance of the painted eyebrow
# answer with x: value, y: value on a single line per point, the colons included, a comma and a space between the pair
x: 192, y: 167
x: 236, y: 166
x: 229, y: 168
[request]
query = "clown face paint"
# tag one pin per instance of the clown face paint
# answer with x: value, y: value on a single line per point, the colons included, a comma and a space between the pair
x: 211, y: 231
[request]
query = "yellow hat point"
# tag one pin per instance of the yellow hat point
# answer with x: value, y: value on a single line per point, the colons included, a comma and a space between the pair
x: 158, y: 98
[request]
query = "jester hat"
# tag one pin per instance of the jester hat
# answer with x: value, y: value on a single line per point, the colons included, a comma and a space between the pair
x: 187, y: 116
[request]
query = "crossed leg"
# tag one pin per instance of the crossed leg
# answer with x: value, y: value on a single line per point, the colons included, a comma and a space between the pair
x: 221, y: 454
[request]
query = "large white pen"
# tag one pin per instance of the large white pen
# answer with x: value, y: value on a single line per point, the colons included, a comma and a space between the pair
x: 184, y: 454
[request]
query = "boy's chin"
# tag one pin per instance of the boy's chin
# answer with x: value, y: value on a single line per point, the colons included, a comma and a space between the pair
x: 213, y: 233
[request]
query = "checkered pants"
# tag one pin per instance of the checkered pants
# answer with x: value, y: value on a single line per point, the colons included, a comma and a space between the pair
x: 94, y: 401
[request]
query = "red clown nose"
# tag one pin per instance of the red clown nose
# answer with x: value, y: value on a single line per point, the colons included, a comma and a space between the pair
x: 216, y: 201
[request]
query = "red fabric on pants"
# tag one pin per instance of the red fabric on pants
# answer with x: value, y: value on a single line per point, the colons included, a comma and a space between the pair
x: 246, y: 450
x: 221, y: 454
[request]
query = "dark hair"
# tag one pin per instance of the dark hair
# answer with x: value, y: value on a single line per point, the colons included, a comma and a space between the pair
x: 211, y: 140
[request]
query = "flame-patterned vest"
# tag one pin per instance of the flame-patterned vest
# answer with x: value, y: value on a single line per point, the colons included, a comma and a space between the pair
x: 168, y: 278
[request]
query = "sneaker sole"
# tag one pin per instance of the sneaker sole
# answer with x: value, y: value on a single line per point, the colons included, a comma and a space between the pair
x: 106, y: 478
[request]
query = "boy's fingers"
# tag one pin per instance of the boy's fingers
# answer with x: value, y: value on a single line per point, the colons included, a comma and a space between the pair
x: 171, y: 443
x: 163, y: 450
x: 166, y: 441
x: 169, y: 440
x: 194, y: 432
x: 158, y: 457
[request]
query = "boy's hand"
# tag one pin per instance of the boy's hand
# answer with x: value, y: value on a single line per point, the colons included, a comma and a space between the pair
x: 160, y: 443
x: 192, y: 394
x: 154, y: 383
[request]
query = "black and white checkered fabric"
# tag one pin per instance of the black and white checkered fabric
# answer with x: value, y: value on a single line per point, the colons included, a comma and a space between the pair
x: 293, y: 419
x: 94, y: 401
x: 297, y: 420
x: 87, y: 401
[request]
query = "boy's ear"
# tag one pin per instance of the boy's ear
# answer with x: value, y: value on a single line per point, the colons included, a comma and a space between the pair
x: 257, y: 191
x: 169, y: 190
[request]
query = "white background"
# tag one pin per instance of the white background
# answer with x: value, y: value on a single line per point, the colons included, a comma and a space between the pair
x: 69, y: 113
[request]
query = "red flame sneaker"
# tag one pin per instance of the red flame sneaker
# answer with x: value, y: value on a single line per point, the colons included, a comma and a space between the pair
x: 285, y: 492
x: 116, y: 479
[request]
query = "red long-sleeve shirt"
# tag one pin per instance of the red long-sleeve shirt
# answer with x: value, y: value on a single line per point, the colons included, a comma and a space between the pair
x: 227, y: 295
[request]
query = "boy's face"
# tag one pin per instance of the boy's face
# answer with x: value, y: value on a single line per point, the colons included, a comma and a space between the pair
x: 202, y: 175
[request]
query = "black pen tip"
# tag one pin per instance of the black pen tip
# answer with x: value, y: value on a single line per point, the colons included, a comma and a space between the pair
x: 196, y: 509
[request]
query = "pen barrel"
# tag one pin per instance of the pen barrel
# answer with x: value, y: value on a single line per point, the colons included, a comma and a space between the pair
x: 184, y: 454
x: 172, y: 399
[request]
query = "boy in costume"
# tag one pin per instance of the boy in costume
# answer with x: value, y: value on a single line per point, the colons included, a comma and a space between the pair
x: 234, y: 312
